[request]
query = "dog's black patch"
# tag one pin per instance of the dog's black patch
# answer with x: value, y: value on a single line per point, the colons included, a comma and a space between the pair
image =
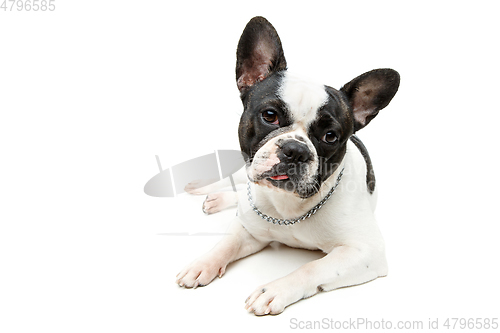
x: 253, y: 131
x: 335, y: 116
x: 370, y: 174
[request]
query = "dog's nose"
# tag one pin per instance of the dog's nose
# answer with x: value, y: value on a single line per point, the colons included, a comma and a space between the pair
x: 296, y: 152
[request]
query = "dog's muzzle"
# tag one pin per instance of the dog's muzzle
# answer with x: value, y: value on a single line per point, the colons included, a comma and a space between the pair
x: 294, y: 172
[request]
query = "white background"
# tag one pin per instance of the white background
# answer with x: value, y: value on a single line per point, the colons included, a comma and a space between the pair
x: 91, y: 92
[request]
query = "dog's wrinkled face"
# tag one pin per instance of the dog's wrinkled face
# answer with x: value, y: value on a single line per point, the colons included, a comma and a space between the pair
x: 293, y: 133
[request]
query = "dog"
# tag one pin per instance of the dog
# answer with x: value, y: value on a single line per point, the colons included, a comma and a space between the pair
x: 310, y: 179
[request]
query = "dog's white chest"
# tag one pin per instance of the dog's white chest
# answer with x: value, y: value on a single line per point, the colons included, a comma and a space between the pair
x: 299, y: 235
x: 293, y: 236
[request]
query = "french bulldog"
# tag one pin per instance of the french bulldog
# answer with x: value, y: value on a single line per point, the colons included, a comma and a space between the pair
x: 310, y: 179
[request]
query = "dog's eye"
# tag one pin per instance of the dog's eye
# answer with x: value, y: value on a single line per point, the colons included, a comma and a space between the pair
x: 271, y: 117
x: 329, y: 137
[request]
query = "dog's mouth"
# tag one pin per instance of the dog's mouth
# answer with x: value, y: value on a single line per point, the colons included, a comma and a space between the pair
x: 280, y: 173
x: 288, y: 179
x: 291, y: 185
x: 279, y: 177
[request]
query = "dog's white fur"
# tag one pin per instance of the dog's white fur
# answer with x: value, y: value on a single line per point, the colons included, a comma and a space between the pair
x: 345, y: 228
x: 303, y: 97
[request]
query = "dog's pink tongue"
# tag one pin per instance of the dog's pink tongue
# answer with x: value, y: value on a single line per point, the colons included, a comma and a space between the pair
x: 280, y: 177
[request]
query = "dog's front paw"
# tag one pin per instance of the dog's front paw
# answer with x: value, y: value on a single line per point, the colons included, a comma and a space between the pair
x: 272, y: 298
x: 200, y: 273
x: 215, y: 202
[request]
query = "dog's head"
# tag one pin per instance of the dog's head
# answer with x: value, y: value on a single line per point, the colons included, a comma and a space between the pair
x: 293, y: 133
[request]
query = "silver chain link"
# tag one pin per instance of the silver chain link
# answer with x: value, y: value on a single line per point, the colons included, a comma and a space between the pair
x: 307, y: 215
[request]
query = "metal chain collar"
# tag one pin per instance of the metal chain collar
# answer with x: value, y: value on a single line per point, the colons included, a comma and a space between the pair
x: 307, y: 215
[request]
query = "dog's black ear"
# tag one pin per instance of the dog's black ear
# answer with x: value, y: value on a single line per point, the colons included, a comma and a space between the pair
x: 259, y: 53
x: 369, y: 93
